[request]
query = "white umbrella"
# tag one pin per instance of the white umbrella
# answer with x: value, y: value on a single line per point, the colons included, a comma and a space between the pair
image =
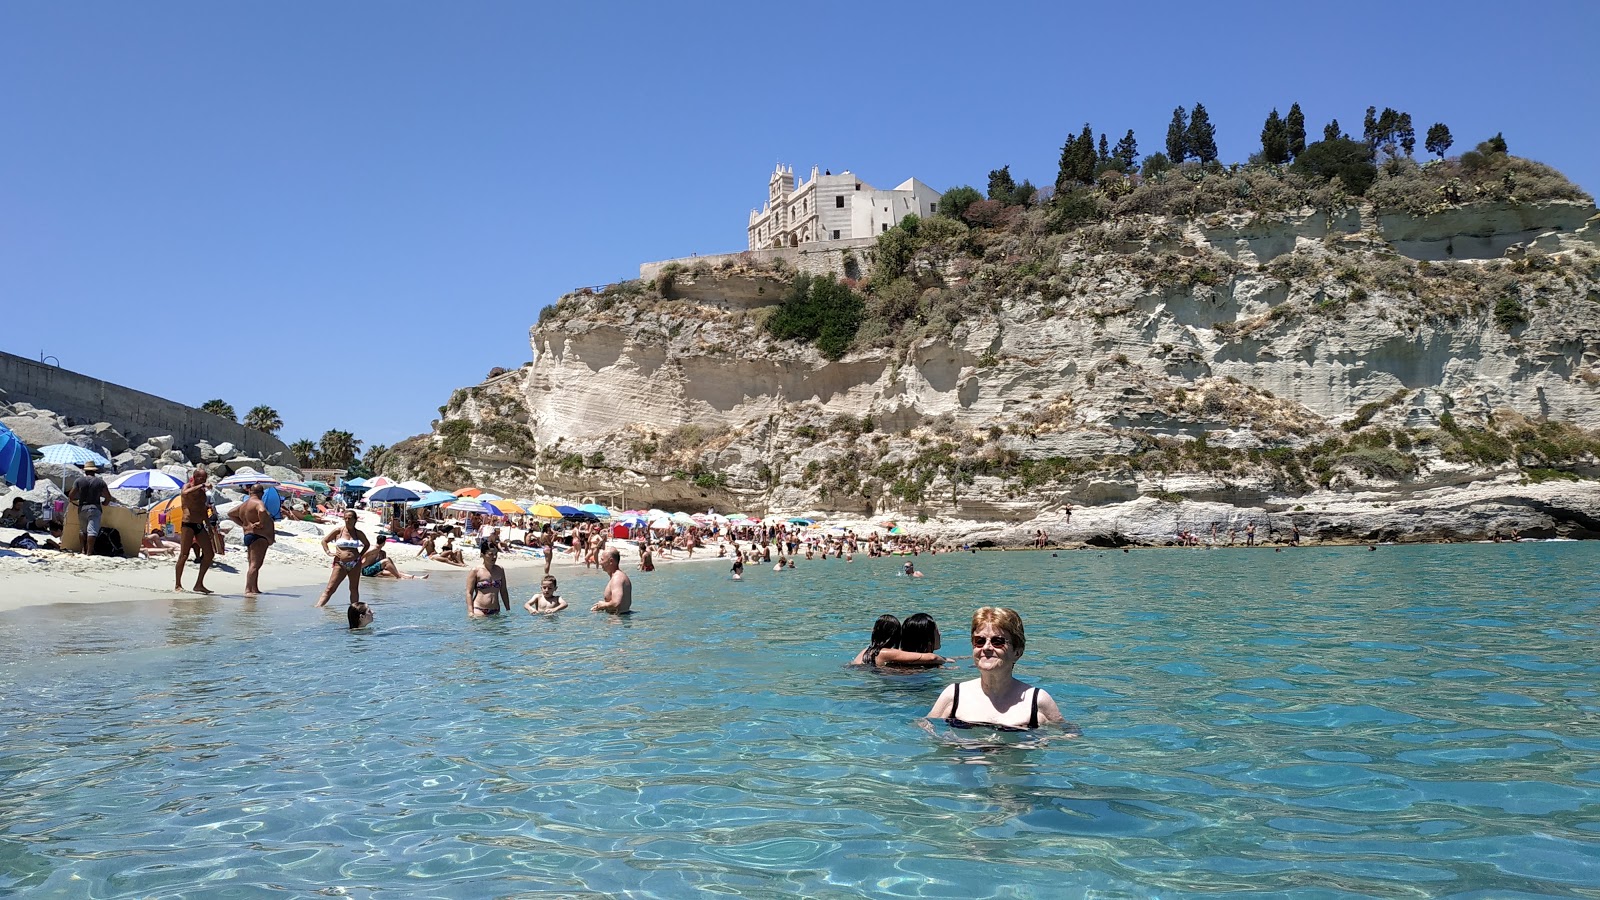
x: 245, y: 478
x: 421, y: 489
x: 683, y: 518
x: 145, y: 480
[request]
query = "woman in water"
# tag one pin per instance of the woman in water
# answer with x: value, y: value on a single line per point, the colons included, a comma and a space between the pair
x: 888, y: 643
x: 996, y: 698
x: 486, y: 587
x: 349, y: 545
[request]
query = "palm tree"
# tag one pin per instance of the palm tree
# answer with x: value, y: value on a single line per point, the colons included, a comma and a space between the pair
x: 374, y: 456
x: 263, y: 418
x: 305, y: 451
x: 220, y: 408
x: 338, y: 449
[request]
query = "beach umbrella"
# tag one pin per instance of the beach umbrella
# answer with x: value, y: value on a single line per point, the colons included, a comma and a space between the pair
x: 473, y: 505
x: 72, y: 455
x: 393, y: 493
x: 16, y: 463
x: 417, y: 486
x: 597, y: 510
x: 489, y: 498
x: 632, y: 521
x: 545, y: 511
x: 433, y: 498
x: 295, y: 488
x: 358, y: 483
x: 381, y: 481
x: 664, y: 523
x: 320, y: 487
x: 738, y: 517
x: 145, y: 480
x: 801, y: 522
x: 509, y: 507
x: 468, y: 492
x: 572, y: 512
x: 683, y: 518
x: 246, y: 478
x: 718, y: 518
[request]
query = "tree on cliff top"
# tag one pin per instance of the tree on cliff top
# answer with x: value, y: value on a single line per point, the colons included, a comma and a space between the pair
x: 338, y: 449
x: 263, y: 418
x: 1343, y: 159
x: 1274, y: 140
x: 1295, y: 124
x: 1201, y: 138
x: 219, y: 408
x: 1178, y: 136
x: 1439, y: 139
x: 820, y: 311
x: 305, y: 451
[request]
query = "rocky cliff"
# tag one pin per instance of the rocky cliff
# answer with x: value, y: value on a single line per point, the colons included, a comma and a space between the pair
x: 1364, y: 373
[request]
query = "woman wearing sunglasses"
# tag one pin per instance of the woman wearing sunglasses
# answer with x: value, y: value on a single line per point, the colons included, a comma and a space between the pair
x: 996, y: 699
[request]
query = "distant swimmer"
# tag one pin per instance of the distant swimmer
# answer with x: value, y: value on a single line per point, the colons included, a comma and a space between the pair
x: 618, y: 597
x: 996, y: 699
x: 547, y: 600
x: 738, y: 567
x: 910, y: 570
x: 359, y: 615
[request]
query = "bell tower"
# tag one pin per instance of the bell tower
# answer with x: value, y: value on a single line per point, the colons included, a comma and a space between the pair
x: 780, y: 185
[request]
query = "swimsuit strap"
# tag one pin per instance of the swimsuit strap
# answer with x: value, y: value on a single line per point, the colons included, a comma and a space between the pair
x: 955, y: 699
x: 1033, y: 717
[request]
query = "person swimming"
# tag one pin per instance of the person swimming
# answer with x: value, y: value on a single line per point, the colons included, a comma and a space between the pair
x: 359, y: 615
x: 996, y: 699
x: 887, y: 646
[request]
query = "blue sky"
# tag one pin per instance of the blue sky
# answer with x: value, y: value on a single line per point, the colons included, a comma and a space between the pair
x: 269, y: 203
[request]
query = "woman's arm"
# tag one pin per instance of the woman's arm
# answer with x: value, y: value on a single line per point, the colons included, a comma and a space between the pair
x: 472, y: 589
x: 941, y: 706
x: 505, y: 588
x: 328, y: 537
x: 893, y: 656
x: 1048, y: 711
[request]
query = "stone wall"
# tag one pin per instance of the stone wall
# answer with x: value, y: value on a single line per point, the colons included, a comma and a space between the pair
x: 817, y: 258
x: 134, y: 413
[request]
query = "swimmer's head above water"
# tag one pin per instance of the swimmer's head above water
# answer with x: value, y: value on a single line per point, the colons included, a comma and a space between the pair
x: 359, y: 615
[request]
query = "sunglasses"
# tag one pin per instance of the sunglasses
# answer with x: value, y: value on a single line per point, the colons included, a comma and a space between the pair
x: 998, y: 641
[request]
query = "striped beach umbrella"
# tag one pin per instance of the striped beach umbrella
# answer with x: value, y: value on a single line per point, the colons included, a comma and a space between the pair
x: 72, y: 455
x: 145, y: 480
x: 247, y: 477
x: 473, y: 505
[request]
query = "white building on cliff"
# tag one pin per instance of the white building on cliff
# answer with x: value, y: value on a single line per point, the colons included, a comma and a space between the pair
x: 832, y: 207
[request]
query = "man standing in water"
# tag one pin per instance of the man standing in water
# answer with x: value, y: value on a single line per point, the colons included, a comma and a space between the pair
x: 618, y: 598
x: 195, y: 532
x: 253, y: 519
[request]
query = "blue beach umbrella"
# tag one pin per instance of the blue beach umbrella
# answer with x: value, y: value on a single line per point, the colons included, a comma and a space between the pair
x: 433, y: 498
x: 597, y: 510
x: 16, y: 463
x: 394, y: 493
x: 72, y: 455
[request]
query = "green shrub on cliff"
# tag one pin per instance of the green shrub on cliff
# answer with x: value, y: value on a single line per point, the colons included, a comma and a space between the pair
x: 820, y: 311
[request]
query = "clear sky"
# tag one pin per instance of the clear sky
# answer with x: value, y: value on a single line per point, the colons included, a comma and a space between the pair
x: 346, y: 210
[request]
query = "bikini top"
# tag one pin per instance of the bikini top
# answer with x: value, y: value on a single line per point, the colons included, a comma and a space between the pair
x: 954, y: 722
x: 489, y: 584
x: 347, y: 544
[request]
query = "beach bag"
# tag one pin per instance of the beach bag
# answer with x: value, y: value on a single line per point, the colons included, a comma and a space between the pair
x: 108, y: 542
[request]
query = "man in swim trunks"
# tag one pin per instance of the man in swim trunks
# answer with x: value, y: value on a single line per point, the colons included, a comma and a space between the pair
x: 375, y: 563
x: 195, y: 533
x: 90, y: 493
x: 253, y: 519
x: 618, y: 598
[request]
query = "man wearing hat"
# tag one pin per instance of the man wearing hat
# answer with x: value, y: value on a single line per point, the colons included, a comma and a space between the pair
x: 90, y: 493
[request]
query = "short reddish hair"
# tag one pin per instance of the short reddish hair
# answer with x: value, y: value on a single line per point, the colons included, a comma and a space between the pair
x: 1006, y: 620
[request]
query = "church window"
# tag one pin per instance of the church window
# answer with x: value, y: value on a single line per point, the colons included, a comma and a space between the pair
x: 838, y: 202
x: 836, y: 234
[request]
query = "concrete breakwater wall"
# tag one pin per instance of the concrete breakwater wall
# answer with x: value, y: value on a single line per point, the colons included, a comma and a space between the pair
x: 134, y: 413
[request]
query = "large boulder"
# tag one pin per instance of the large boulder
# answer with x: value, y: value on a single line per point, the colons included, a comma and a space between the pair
x: 178, y: 471
x: 60, y: 473
x: 133, y: 460
x: 282, y: 473
x: 161, y: 443
x: 240, y: 463
x: 108, y: 437
x: 35, y: 432
x: 175, y: 458
x: 225, y: 451
x: 202, y: 452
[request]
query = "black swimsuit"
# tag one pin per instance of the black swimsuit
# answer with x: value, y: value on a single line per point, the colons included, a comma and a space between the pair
x: 955, y: 701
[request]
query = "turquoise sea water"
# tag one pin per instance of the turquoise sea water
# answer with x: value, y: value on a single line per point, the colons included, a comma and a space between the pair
x: 1411, y: 722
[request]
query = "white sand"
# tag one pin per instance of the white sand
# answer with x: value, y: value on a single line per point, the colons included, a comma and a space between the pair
x: 295, y: 561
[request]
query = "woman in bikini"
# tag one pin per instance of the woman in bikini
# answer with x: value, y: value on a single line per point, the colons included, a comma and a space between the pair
x: 349, y: 545
x: 486, y: 587
x: 995, y: 698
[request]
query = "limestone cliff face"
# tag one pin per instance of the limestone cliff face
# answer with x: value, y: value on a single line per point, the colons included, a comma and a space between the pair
x: 1244, y: 360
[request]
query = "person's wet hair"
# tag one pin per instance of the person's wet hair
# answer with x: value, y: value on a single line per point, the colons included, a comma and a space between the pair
x: 919, y: 634
x: 354, y: 613
x: 886, y: 632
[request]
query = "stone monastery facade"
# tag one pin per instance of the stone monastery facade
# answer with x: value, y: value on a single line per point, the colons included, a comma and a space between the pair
x: 831, y: 208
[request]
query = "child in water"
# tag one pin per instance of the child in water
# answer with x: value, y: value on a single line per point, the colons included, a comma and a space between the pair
x: 738, y: 568
x: 547, y: 600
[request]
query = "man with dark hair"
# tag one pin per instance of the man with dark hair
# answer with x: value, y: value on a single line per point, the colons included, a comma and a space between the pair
x: 90, y: 493
x: 195, y: 531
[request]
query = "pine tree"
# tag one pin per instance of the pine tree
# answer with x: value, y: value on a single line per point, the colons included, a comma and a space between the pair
x: 1178, y: 136
x: 1103, y: 155
x: 1439, y: 139
x: 1127, y: 151
x: 1498, y: 143
x: 1077, y: 160
x: 1086, y: 156
x: 1405, y: 134
x: 1294, y: 125
x: 1274, y: 140
x: 1369, y: 127
x: 1001, y: 185
x: 1330, y: 131
x: 1388, y: 125
x: 1201, y: 138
